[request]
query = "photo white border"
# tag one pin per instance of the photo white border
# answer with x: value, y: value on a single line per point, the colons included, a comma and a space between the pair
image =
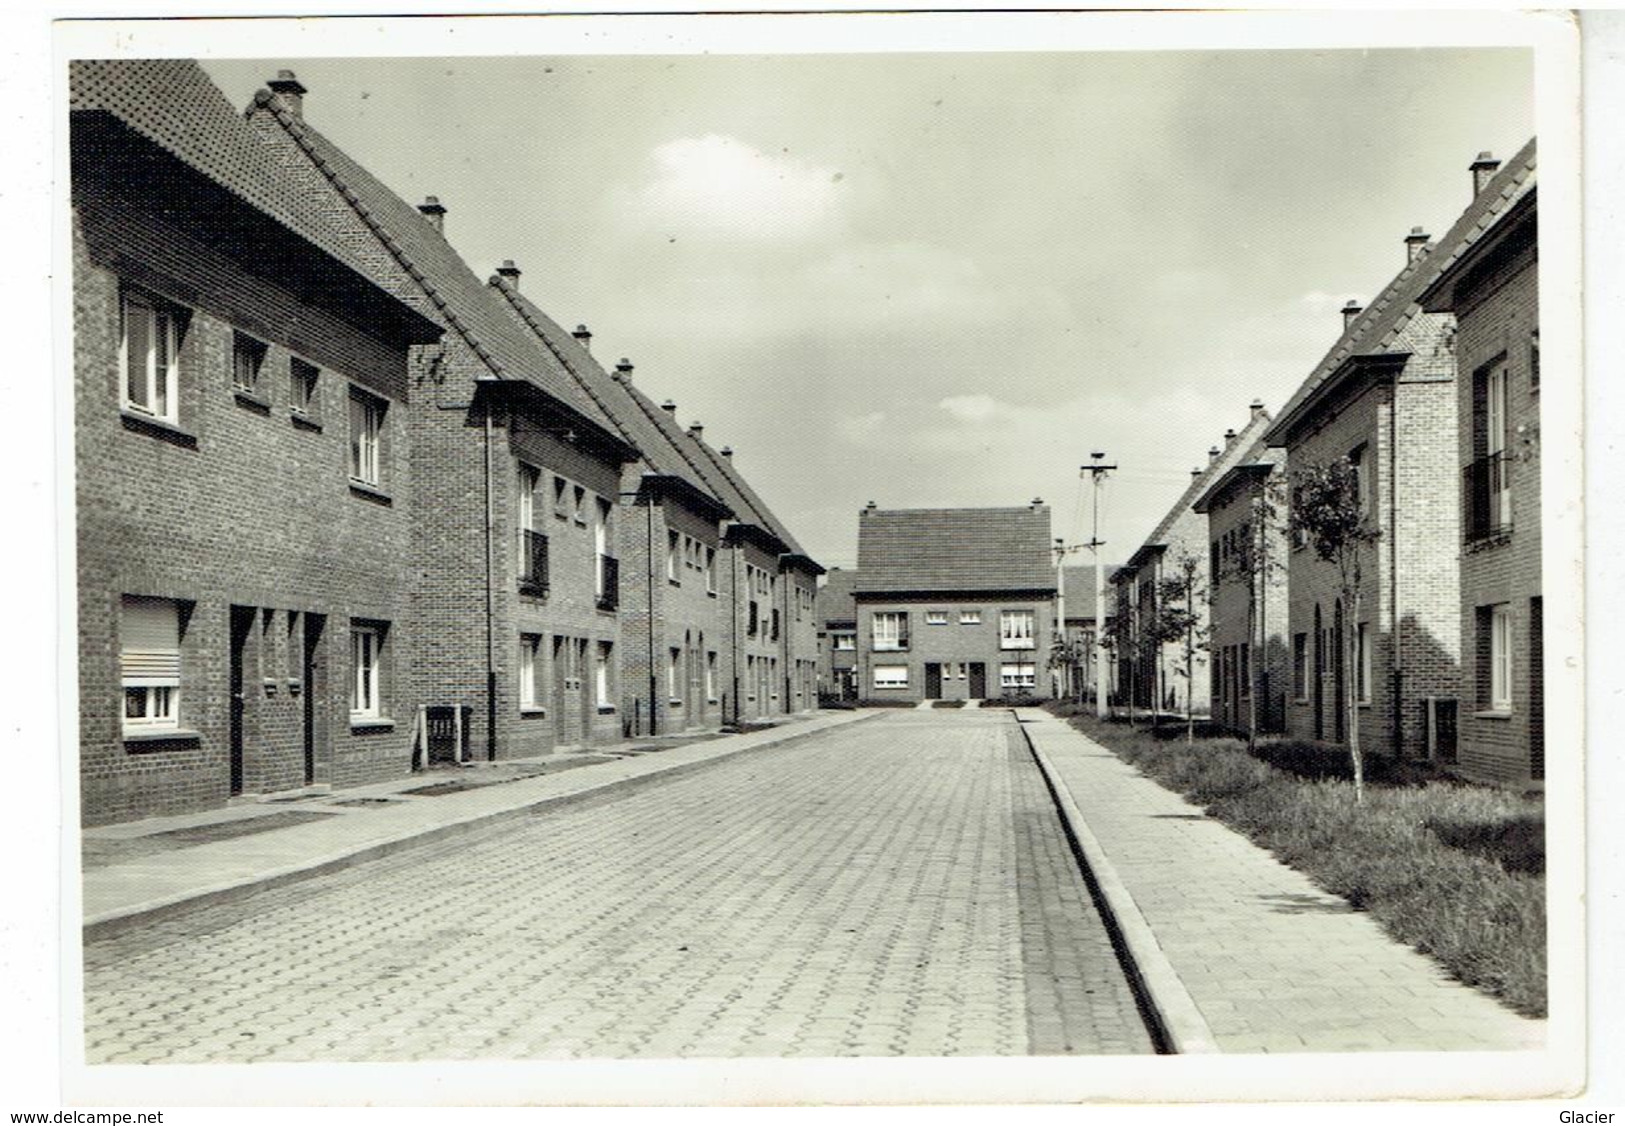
x: 1048, y: 1080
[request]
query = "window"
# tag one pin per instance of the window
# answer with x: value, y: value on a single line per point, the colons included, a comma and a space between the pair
x: 579, y: 498
x: 530, y: 479
x: 673, y: 679
x: 891, y: 676
x: 366, y: 434
x: 845, y: 642
x: 1534, y: 360
x: 150, y: 656
x: 970, y: 617
x: 149, y: 343
x: 530, y: 669
x: 710, y: 570
x: 561, y: 498
x: 366, y: 650
x: 302, y: 378
x: 601, y: 674
x: 247, y: 356
x: 1016, y: 629
x: 890, y: 630
x: 1362, y: 663
x: 1362, y: 479
x: 1016, y: 676
x: 711, y: 677
x: 1300, y: 666
x: 1495, y: 658
x: 600, y: 541
x: 671, y: 557
x: 936, y: 617
x: 294, y: 656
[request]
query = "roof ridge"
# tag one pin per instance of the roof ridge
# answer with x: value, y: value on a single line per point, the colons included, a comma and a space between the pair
x: 643, y: 403
x: 298, y: 130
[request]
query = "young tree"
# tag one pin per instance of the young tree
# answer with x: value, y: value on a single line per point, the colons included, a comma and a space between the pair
x: 1329, y: 512
x: 1257, y: 563
x: 1119, y: 643
x: 1179, y: 621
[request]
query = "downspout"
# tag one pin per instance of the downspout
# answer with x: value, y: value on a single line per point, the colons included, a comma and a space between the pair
x: 1393, y: 570
x: 649, y: 528
x: 490, y: 594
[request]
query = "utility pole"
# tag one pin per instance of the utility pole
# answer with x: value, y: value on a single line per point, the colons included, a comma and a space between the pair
x: 1097, y: 470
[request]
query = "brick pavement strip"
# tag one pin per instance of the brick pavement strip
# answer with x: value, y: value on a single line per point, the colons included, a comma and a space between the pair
x: 1272, y: 962
x: 890, y: 888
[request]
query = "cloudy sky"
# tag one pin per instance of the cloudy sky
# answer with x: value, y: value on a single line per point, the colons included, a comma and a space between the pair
x: 940, y: 279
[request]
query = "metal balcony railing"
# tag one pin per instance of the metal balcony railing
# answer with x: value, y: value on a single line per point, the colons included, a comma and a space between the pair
x: 532, y: 561
x: 609, y: 573
x: 1486, y: 494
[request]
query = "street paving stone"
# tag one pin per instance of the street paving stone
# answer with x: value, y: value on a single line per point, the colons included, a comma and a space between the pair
x: 898, y: 887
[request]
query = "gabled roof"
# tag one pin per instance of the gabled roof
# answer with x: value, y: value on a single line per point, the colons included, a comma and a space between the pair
x: 628, y: 407
x: 1233, y: 452
x: 1377, y: 329
x: 1079, y: 589
x: 460, y: 298
x: 954, y: 549
x: 1258, y: 461
x: 751, y: 509
x: 835, y: 602
x: 173, y: 104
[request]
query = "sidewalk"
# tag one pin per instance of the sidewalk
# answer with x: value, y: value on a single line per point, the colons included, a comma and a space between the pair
x: 1246, y: 953
x: 324, y: 832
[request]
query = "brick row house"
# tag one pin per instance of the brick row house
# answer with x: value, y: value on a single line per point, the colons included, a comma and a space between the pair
x: 1081, y: 630
x: 1247, y: 594
x: 343, y: 510
x: 837, y: 619
x: 1386, y: 398
x: 954, y: 604
x: 1489, y: 283
x: 1151, y: 673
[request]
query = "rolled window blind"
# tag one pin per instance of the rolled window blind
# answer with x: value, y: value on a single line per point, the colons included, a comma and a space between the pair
x: 149, y: 631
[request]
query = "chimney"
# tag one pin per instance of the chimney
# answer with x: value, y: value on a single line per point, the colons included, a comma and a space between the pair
x: 434, y: 212
x: 292, y: 93
x: 727, y: 452
x: 1229, y: 436
x: 623, y: 372
x: 668, y: 406
x: 1212, y: 454
x: 1038, y: 502
x: 509, y: 272
x: 1257, y: 409
x: 1483, y: 169
x: 1351, y: 312
x: 1195, y: 473
x: 1416, y: 244
x: 583, y: 337
x: 696, y: 430
x: 868, y: 508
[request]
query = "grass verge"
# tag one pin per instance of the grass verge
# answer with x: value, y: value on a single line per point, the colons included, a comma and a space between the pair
x: 1452, y: 869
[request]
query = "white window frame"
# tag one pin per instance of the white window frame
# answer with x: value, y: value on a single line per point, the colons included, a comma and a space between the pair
x: 673, y: 665
x: 366, y: 437
x: 672, y: 542
x: 1501, y: 657
x: 530, y: 479
x: 710, y: 570
x: 530, y: 648
x: 844, y: 642
x: 247, y: 361
x: 1496, y: 402
x: 1018, y: 674
x: 970, y: 617
x: 600, y: 543
x: 152, y: 670
x: 366, y: 669
x: 886, y: 628
x: 303, y: 379
x: 601, y: 661
x: 159, y: 367
x: 1362, y: 478
x: 936, y: 617
x: 1017, y: 629
x: 711, y: 677
x: 890, y: 677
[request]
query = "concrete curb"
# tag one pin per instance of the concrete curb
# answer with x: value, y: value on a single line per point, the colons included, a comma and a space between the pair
x: 1180, y: 1024
x: 107, y: 924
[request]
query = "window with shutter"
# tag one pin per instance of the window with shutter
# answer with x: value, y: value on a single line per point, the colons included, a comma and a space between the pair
x: 150, y: 659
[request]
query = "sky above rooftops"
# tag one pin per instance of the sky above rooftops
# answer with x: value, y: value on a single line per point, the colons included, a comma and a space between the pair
x: 940, y: 280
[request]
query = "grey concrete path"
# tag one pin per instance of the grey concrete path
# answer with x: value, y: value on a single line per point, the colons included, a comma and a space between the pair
x: 365, y: 822
x: 1273, y: 963
x: 897, y: 887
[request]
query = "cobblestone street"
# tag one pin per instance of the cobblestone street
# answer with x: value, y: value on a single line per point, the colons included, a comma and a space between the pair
x: 898, y: 887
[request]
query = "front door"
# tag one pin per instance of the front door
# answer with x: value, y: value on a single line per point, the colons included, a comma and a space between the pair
x: 242, y: 622
x: 978, y: 680
x: 313, y: 682
x: 933, y: 681
x: 561, y: 685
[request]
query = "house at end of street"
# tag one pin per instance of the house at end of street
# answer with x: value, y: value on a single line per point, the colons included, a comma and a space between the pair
x: 954, y: 603
x: 837, y: 635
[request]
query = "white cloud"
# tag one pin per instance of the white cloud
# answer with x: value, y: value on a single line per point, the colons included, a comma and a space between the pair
x: 721, y: 186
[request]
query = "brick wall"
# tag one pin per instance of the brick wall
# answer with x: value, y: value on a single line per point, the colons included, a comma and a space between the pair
x: 1261, y: 631
x: 960, y: 644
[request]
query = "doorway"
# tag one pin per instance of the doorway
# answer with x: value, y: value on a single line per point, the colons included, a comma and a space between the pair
x: 242, y: 624
x: 978, y: 680
x: 933, y: 681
